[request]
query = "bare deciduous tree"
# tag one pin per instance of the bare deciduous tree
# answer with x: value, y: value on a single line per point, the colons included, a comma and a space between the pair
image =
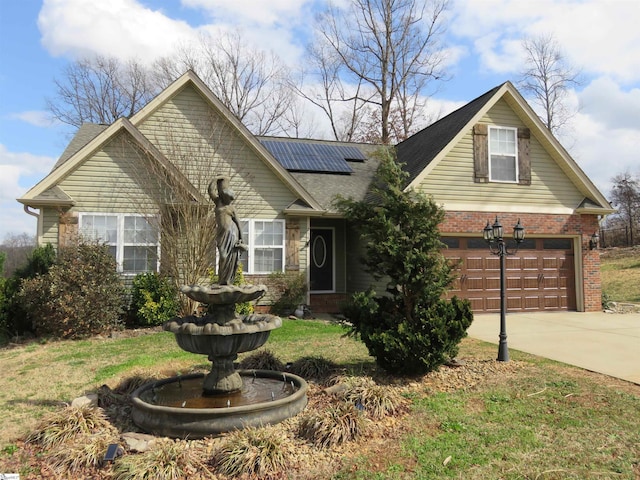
x: 17, y: 248
x: 625, y: 196
x: 547, y: 77
x: 177, y: 183
x: 253, y: 84
x: 100, y: 90
x: 381, y: 53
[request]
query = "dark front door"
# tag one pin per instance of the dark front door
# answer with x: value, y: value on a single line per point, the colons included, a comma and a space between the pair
x: 321, y: 252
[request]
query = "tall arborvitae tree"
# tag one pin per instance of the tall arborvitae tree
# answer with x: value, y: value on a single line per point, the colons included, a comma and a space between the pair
x: 411, y: 329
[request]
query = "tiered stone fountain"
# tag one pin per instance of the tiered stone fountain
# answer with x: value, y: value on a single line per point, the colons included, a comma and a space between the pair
x: 196, y: 406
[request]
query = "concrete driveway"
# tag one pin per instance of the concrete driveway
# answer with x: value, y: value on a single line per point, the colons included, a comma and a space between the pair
x: 600, y: 342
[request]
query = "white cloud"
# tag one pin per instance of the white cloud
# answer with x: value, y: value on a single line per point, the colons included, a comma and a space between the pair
x: 37, y: 118
x: 25, y: 164
x: 18, y: 171
x: 604, y: 153
x: 599, y: 36
x: 121, y: 28
x: 610, y: 105
x: 258, y: 12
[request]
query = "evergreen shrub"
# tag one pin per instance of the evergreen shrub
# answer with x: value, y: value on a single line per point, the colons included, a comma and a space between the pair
x: 81, y: 295
x: 411, y: 329
x: 154, y: 299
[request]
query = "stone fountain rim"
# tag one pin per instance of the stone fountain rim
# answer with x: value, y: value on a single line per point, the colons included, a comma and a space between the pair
x: 180, y: 326
x: 224, y: 411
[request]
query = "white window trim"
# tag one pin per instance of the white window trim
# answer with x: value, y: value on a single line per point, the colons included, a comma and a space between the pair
x: 120, y: 243
x: 252, y: 246
x: 515, y: 156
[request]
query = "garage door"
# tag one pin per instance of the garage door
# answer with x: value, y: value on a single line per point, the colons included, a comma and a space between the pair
x: 539, y: 277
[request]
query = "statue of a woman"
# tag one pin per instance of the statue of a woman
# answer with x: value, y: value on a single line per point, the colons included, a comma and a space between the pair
x: 228, y: 231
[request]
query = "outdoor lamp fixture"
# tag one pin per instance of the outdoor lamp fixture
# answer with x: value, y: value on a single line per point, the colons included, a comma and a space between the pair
x: 498, y: 246
x: 593, y: 243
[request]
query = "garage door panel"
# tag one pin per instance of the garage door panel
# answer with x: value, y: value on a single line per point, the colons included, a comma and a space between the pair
x: 532, y: 302
x: 514, y: 283
x: 536, y: 279
x: 492, y: 284
x: 474, y: 263
x: 530, y: 263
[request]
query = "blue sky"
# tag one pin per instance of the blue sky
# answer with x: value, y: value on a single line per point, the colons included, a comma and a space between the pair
x: 39, y: 38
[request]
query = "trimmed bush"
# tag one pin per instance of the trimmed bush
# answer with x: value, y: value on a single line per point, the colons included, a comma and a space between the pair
x: 409, y: 345
x: 154, y: 299
x: 289, y: 291
x: 412, y: 329
x: 80, y: 295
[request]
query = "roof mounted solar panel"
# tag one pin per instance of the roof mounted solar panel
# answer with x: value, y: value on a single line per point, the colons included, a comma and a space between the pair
x: 313, y: 157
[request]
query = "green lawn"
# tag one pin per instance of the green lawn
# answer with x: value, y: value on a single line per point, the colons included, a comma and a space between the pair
x: 528, y: 419
x: 621, y: 274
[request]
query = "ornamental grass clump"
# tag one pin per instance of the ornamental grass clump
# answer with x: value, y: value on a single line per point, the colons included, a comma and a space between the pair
x: 378, y: 401
x: 262, y: 360
x: 316, y: 368
x: 334, y: 425
x: 257, y: 452
x: 64, y: 426
x: 165, y: 460
x: 84, y: 452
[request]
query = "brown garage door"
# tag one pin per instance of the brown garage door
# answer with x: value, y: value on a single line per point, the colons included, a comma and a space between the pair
x: 539, y: 277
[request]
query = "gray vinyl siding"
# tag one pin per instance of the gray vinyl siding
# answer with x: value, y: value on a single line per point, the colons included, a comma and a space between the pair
x: 50, y: 221
x: 357, y: 279
x: 113, y: 180
x: 203, y: 145
x: 451, y: 181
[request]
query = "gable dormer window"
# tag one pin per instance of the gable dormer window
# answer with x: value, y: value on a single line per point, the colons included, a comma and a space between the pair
x: 503, y: 154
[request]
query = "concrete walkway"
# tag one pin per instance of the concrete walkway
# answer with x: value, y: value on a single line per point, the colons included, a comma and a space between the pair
x: 603, y: 343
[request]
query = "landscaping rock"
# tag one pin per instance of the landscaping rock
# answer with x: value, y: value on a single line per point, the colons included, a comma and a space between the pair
x: 138, y: 442
x: 90, y: 400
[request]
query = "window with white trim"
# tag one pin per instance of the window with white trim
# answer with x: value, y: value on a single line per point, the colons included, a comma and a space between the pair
x: 265, y: 239
x: 132, y: 239
x: 503, y: 154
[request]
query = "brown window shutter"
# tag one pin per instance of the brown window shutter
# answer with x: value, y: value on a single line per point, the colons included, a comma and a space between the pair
x: 292, y: 246
x: 524, y: 156
x: 480, y: 154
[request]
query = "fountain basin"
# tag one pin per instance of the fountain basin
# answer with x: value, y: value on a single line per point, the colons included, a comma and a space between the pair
x: 193, y: 423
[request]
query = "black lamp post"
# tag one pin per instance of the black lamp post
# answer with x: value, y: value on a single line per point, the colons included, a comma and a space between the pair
x: 493, y: 233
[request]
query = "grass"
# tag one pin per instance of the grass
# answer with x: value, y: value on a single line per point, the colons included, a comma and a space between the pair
x: 620, y: 273
x: 529, y: 419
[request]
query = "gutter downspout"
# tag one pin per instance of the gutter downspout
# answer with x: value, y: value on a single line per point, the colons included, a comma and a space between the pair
x: 38, y: 225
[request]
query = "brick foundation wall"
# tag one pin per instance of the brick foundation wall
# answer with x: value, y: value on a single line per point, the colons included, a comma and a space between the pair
x: 543, y: 225
x: 327, y: 302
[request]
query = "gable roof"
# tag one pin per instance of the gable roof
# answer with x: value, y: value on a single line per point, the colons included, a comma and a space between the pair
x: 419, y: 150
x: 90, y: 138
x: 47, y: 191
x: 424, y: 150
